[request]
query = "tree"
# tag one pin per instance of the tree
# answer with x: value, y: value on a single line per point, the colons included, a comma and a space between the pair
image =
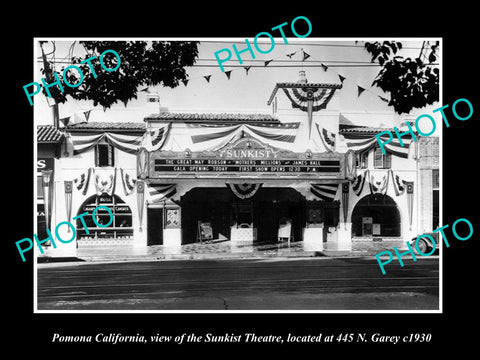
x: 411, y: 83
x: 142, y: 64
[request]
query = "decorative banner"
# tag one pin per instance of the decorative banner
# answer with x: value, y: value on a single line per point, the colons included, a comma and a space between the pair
x: 47, y: 184
x: 379, y: 187
x: 399, y: 185
x: 350, y: 165
x: 409, y: 185
x: 244, y: 191
x: 82, y: 181
x: 345, y: 193
x: 161, y: 192
x: 142, y: 163
x: 85, y: 142
x: 207, y: 77
x: 358, y: 182
x: 361, y: 142
x: 128, y: 182
x: 154, y: 140
x: 360, y: 90
x: 325, y: 192
x: 327, y: 137
x: 140, y: 199
x: 215, y: 137
x: 228, y: 73
x: 68, y: 199
x: 105, y: 182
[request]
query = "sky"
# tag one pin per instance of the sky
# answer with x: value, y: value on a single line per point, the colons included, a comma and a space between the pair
x: 243, y: 92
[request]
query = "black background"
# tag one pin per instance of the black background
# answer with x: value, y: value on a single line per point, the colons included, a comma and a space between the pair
x: 454, y: 329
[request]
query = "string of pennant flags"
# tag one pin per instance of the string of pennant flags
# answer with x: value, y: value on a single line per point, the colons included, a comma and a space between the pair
x: 304, y: 56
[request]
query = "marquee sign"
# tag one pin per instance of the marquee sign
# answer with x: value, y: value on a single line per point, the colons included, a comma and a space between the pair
x: 247, y: 157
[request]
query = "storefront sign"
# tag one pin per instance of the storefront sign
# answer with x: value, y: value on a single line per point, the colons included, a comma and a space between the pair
x: 44, y: 164
x: 246, y: 156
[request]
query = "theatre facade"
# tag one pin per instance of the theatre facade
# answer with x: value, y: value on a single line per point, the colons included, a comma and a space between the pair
x: 305, y: 172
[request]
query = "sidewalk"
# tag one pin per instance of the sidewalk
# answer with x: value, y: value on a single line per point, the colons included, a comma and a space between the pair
x: 216, y: 249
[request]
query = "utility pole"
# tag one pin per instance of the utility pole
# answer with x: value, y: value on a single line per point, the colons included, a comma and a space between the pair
x: 49, y: 77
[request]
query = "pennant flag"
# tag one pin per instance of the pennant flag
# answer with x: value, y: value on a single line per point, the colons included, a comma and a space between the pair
x: 147, y: 90
x: 68, y: 200
x: 290, y: 55
x: 228, y: 74
x: 65, y: 121
x: 268, y: 62
x: 185, y: 82
x: 207, y: 77
x: 324, y: 67
x: 305, y: 55
x: 87, y: 114
x: 341, y: 78
x: 246, y: 69
x: 360, y: 90
x: 383, y: 99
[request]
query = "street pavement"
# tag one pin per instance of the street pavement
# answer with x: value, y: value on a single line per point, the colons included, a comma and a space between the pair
x: 264, y: 284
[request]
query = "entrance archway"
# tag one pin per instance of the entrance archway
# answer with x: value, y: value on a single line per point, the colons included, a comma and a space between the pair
x: 376, y: 215
x: 222, y: 209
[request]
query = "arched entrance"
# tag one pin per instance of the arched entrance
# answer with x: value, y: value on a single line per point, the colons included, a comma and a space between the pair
x: 222, y: 209
x: 376, y: 215
x: 120, y: 229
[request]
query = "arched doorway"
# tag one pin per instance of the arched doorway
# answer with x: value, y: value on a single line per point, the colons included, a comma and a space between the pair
x: 222, y: 209
x: 376, y: 215
x: 120, y: 230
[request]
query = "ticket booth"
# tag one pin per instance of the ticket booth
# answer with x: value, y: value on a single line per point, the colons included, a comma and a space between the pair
x: 243, y: 232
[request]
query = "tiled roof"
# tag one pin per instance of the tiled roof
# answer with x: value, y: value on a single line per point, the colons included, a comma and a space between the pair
x: 104, y: 126
x: 365, y: 129
x: 212, y: 117
x: 48, y: 134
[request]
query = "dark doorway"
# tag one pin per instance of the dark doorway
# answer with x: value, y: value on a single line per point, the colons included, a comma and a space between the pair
x: 273, y: 205
x: 376, y: 215
x: 154, y: 226
x: 221, y: 208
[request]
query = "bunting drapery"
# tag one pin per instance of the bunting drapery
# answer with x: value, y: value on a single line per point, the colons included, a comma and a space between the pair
x: 154, y: 140
x: 361, y: 142
x: 325, y: 192
x: 85, y: 142
x: 215, y: 136
x: 82, y: 181
x: 160, y: 192
x: 399, y: 185
x: 244, y: 191
x: 358, y: 182
x: 128, y: 182
x: 327, y: 137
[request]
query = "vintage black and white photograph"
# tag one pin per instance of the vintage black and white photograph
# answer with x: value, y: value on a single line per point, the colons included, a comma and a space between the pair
x: 269, y: 174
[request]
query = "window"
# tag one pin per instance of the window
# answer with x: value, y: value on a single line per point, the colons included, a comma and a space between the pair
x: 103, y: 155
x: 382, y: 161
x: 361, y: 160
